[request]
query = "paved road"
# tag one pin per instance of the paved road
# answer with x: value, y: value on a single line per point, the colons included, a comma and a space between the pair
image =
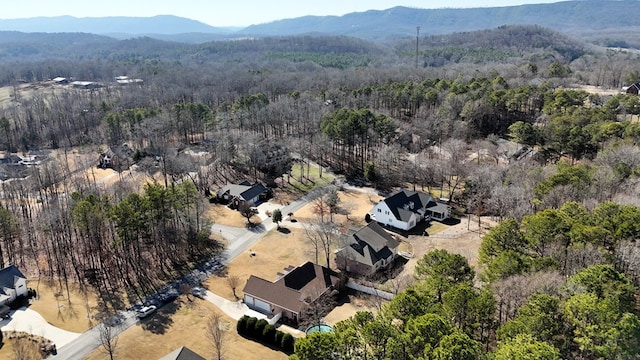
x: 90, y: 340
x: 240, y: 240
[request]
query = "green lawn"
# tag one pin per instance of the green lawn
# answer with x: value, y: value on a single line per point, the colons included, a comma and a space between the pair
x: 309, y: 182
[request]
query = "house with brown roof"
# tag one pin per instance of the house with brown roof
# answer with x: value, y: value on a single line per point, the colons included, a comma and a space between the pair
x: 293, y: 291
x: 366, y: 250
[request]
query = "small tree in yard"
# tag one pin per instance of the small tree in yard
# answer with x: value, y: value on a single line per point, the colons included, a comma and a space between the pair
x: 233, y: 281
x: 247, y: 211
x: 107, y: 335
x: 277, y: 217
x: 216, y: 333
x: 332, y: 200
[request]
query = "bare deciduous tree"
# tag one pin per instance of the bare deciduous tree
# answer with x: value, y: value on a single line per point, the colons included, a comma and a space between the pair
x: 322, y: 236
x: 107, y: 336
x: 233, y: 281
x: 216, y: 333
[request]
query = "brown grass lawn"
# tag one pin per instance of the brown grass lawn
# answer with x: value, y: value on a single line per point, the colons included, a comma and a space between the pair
x: 357, y: 203
x: 7, y: 352
x: 221, y: 214
x: 68, y: 313
x: 183, y: 324
x: 274, y: 252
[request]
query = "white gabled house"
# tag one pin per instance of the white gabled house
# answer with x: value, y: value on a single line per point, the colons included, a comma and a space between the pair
x: 12, y: 284
x: 405, y: 209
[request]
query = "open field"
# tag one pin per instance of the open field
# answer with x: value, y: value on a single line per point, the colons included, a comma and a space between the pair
x: 183, y: 323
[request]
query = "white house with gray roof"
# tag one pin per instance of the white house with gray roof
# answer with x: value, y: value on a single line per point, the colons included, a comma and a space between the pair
x: 244, y: 192
x: 405, y: 209
x: 12, y: 284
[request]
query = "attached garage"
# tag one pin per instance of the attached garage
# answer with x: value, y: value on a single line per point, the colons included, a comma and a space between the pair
x: 257, y: 304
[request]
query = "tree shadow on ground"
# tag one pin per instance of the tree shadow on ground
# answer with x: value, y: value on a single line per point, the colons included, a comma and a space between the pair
x: 256, y: 228
x: 284, y: 230
x: 161, y: 320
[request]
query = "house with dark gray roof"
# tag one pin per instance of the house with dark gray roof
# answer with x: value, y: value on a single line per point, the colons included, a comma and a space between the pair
x: 405, y: 209
x: 244, y: 192
x: 182, y: 353
x: 12, y: 284
x: 366, y: 250
x: 292, y: 292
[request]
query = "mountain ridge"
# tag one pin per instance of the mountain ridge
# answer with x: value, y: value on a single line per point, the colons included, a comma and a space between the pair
x: 399, y: 21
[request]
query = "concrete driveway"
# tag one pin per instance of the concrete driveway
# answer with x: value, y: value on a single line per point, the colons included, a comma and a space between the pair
x: 31, y: 322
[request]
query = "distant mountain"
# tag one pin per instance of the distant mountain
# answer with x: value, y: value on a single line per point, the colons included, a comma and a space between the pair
x: 568, y: 16
x: 161, y: 24
x: 585, y: 17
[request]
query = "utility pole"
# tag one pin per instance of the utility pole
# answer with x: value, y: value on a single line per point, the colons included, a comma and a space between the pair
x: 417, y: 43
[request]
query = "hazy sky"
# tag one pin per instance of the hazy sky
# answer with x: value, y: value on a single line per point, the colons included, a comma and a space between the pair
x: 228, y: 12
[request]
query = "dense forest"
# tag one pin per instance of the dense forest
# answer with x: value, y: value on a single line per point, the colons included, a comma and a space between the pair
x: 557, y: 277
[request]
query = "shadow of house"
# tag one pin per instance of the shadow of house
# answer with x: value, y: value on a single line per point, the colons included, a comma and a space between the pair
x: 292, y: 293
x: 367, y: 250
x: 118, y: 158
x: 244, y: 192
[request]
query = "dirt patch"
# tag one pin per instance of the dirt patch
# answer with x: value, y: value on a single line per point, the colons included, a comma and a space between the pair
x: 183, y: 323
x: 353, y: 303
x: 74, y: 312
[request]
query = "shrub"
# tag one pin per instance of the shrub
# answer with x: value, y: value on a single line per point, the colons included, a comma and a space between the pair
x: 269, y: 334
x: 241, y: 327
x: 251, y: 325
x: 287, y: 343
x: 259, y: 327
x: 277, y: 338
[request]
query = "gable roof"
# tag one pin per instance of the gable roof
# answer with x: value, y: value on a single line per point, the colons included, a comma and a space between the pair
x: 244, y: 190
x: 296, y: 289
x: 369, y: 245
x: 182, y: 353
x: 406, y: 202
x: 8, y: 277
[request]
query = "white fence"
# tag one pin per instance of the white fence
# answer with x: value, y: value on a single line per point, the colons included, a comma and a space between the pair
x: 369, y: 290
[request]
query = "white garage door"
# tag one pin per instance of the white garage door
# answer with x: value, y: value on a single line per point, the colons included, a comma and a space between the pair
x: 257, y: 303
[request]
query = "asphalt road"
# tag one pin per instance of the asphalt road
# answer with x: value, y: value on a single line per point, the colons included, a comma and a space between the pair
x: 240, y: 240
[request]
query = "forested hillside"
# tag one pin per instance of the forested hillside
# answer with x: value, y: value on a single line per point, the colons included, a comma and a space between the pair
x: 557, y: 278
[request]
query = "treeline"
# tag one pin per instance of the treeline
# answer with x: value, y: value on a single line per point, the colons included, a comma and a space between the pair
x: 127, y: 244
x: 589, y: 315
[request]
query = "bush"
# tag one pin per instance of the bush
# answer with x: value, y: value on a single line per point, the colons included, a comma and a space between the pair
x: 259, y: 328
x: 277, y: 338
x: 251, y: 325
x: 241, y: 327
x: 269, y: 334
x: 287, y: 343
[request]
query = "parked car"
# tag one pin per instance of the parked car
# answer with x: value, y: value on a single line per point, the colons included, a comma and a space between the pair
x: 199, y: 292
x: 146, y: 311
x: 168, y: 297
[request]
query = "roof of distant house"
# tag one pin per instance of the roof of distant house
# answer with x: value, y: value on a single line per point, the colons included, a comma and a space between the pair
x: 246, y: 192
x: 295, y: 289
x: 182, y: 353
